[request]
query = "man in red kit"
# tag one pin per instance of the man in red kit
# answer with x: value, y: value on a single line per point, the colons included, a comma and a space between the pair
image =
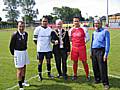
x: 79, y: 36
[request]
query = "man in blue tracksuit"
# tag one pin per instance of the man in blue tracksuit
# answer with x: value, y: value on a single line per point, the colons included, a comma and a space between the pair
x: 100, y: 46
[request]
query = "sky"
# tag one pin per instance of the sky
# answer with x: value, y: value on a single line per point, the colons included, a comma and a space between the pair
x: 87, y: 7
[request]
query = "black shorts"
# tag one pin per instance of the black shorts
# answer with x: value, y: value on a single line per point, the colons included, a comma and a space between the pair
x: 40, y: 55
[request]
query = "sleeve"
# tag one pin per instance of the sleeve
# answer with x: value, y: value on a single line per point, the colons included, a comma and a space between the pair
x: 26, y: 36
x: 53, y: 37
x: 35, y: 35
x: 107, y: 42
x: 68, y: 42
x: 12, y: 44
x: 91, y: 44
x: 69, y: 34
x: 36, y: 32
x: 87, y: 36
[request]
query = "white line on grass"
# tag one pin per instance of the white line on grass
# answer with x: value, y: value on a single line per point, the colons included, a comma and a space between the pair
x: 55, y: 67
x: 28, y: 79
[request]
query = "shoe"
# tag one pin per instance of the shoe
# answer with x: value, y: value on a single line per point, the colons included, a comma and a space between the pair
x: 40, y: 78
x: 96, y: 82
x: 74, y: 78
x: 21, y: 88
x: 59, y: 76
x: 106, y: 87
x: 50, y: 76
x: 25, y: 84
x: 88, y: 78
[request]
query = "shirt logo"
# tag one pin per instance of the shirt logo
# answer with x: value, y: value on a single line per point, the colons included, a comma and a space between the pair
x: 19, y: 38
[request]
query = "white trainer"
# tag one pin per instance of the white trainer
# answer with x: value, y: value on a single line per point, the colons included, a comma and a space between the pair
x: 21, y: 88
x: 25, y: 84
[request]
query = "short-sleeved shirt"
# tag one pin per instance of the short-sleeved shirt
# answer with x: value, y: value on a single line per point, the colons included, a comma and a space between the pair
x: 78, y: 37
x: 43, y: 37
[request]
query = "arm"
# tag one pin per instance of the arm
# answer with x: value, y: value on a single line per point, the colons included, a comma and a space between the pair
x: 53, y: 38
x: 68, y: 42
x: 91, y: 46
x: 87, y: 36
x: 35, y: 35
x: 107, y: 43
x: 12, y: 44
x: 69, y: 34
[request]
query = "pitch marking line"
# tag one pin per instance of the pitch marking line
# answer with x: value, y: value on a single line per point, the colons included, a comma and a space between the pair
x: 55, y: 67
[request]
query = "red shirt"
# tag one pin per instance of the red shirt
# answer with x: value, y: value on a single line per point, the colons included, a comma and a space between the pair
x: 78, y: 37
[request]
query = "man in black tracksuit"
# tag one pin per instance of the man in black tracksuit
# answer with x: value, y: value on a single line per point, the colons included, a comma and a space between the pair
x: 61, y: 48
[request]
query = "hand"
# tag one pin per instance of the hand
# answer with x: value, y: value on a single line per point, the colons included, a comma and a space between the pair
x: 68, y: 53
x: 105, y: 58
x: 56, y: 42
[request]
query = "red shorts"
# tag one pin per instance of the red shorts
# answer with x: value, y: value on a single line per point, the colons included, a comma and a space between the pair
x: 78, y: 53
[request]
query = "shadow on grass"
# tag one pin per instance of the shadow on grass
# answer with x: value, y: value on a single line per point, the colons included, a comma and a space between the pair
x: 62, y: 84
x: 114, y: 82
x: 49, y: 87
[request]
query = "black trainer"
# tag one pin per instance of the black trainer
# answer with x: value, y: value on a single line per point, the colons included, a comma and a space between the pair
x: 50, y: 76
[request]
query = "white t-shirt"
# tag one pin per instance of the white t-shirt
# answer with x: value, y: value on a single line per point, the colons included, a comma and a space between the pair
x: 43, y: 37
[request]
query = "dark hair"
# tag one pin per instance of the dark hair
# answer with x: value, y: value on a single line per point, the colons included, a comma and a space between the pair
x: 76, y: 17
x: 45, y: 17
x: 22, y: 22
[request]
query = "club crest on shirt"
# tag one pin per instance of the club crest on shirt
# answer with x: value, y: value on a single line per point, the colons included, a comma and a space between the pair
x: 19, y: 38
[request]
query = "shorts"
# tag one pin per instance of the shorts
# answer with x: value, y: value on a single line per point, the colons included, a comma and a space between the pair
x: 40, y: 55
x: 78, y: 53
x: 21, y: 58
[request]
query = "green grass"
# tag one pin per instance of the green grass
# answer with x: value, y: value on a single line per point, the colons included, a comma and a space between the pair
x: 8, y: 71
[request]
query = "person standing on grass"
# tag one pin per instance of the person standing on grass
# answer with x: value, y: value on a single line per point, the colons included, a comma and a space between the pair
x: 100, y: 46
x: 61, y: 48
x: 18, y: 48
x: 42, y: 38
x: 79, y: 37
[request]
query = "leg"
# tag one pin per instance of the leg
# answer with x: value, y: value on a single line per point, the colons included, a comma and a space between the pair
x: 86, y: 68
x: 58, y: 63
x: 40, y: 57
x: 95, y: 66
x: 103, y: 68
x: 23, y: 73
x: 64, y: 63
x: 48, y: 56
x: 75, y: 66
x: 24, y: 83
x: 19, y: 77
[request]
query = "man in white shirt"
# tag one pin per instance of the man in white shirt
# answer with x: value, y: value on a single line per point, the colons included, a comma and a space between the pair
x: 42, y: 36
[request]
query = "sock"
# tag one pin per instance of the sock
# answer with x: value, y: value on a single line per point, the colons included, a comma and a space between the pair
x: 48, y: 68
x: 75, y: 65
x: 86, y: 68
x: 40, y: 69
x: 23, y: 78
x: 20, y: 84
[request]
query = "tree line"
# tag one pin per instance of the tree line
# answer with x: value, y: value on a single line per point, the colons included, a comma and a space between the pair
x: 27, y: 7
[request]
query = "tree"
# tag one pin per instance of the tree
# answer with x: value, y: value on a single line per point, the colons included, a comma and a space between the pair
x: 27, y: 9
x: 11, y: 8
x: 67, y: 13
x: 91, y: 18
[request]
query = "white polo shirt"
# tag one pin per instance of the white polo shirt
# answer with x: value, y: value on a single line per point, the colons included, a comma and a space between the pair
x: 43, y: 37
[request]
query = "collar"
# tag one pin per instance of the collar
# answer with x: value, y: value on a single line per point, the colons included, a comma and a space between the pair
x: 44, y: 27
x: 99, y: 30
x: 21, y: 33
